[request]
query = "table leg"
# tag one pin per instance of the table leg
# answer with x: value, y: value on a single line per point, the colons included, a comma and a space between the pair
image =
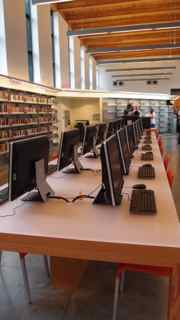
x: 174, y: 295
x: 67, y: 273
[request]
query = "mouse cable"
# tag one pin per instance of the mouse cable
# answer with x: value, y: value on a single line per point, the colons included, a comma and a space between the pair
x: 82, y: 196
x: 59, y: 198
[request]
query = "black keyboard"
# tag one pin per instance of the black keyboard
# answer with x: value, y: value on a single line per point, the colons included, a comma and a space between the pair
x: 147, y: 156
x: 52, y: 168
x: 146, y: 172
x: 4, y: 195
x: 143, y: 201
x: 146, y: 147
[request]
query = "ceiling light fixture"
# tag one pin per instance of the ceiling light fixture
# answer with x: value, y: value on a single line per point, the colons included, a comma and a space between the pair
x: 129, y: 28
x: 43, y: 2
x: 134, y: 48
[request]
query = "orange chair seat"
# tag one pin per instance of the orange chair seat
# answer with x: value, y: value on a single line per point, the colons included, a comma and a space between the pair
x: 158, y: 271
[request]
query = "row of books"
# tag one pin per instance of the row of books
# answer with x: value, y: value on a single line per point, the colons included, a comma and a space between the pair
x: 13, y: 95
x: 25, y: 121
x: 3, y: 148
x: 20, y: 108
x: 12, y: 134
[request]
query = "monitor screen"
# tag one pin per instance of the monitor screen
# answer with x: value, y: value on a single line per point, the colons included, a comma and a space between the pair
x: 124, y: 150
x: 131, y: 141
x: 101, y: 135
x: 24, y: 154
x: 136, y: 133
x: 69, y: 142
x: 89, y: 139
x: 110, y: 129
x: 112, y: 177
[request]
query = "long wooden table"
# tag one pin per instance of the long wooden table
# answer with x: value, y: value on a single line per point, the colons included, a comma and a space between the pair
x: 83, y: 231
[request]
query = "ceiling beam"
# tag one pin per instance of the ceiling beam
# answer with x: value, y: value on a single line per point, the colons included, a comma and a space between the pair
x: 142, y: 69
x: 124, y: 29
x: 135, y: 48
x: 138, y: 60
x: 82, y: 5
x: 122, y: 20
x: 120, y: 9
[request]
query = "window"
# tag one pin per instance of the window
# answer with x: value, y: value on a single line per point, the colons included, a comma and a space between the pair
x: 29, y: 39
x: 32, y: 41
x: 55, y: 49
x: 97, y: 78
x: 72, y: 62
x: 82, y: 66
x: 3, y: 56
x: 90, y: 73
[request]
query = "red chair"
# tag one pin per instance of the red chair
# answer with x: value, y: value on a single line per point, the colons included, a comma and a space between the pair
x: 166, y: 160
x: 170, y: 176
x: 161, y: 147
x: 120, y: 278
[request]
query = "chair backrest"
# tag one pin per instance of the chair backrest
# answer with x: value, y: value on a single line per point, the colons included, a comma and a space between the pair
x: 170, y: 176
x: 161, y: 149
x: 166, y: 160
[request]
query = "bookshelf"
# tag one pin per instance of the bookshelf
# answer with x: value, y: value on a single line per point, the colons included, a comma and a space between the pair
x: 23, y: 115
x: 113, y: 108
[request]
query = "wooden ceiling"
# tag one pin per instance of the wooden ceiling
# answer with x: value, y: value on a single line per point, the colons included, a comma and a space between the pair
x: 81, y: 14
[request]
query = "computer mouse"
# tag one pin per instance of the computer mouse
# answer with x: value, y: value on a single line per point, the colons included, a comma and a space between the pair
x: 139, y: 186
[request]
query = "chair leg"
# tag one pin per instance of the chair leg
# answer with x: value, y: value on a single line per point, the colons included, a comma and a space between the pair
x: 122, y: 282
x: 0, y: 256
x: 25, y: 278
x: 116, y: 296
x: 46, y: 263
x: 170, y: 294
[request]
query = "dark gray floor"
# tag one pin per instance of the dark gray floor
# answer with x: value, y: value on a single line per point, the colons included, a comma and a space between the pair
x: 145, y: 297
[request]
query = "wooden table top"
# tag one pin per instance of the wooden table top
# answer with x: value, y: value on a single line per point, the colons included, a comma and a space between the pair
x: 97, y: 232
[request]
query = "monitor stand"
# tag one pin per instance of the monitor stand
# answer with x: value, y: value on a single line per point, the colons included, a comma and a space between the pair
x: 43, y: 188
x: 103, y: 198
x: 77, y: 164
x: 94, y: 154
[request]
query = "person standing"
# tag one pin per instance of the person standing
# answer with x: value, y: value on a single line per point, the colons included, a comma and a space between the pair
x: 152, y: 118
x: 177, y: 113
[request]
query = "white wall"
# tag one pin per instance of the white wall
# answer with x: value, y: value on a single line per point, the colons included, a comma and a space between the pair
x: 45, y: 45
x: 80, y: 109
x: 164, y: 86
x: 16, y: 41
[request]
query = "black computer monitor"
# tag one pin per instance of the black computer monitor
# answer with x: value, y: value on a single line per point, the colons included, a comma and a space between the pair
x: 110, y: 129
x: 124, y: 150
x: 68, y: 151
x: 28, y: 169
x: 89, y: 142
x: 81, y: 127
x: 112, y: 177
x: 136, y: 133
x: 141, y: 126
x: 130, y: 134
x: 101, y: 134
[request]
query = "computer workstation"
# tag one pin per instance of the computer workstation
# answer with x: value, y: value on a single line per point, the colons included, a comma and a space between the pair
x: 115, y: 155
